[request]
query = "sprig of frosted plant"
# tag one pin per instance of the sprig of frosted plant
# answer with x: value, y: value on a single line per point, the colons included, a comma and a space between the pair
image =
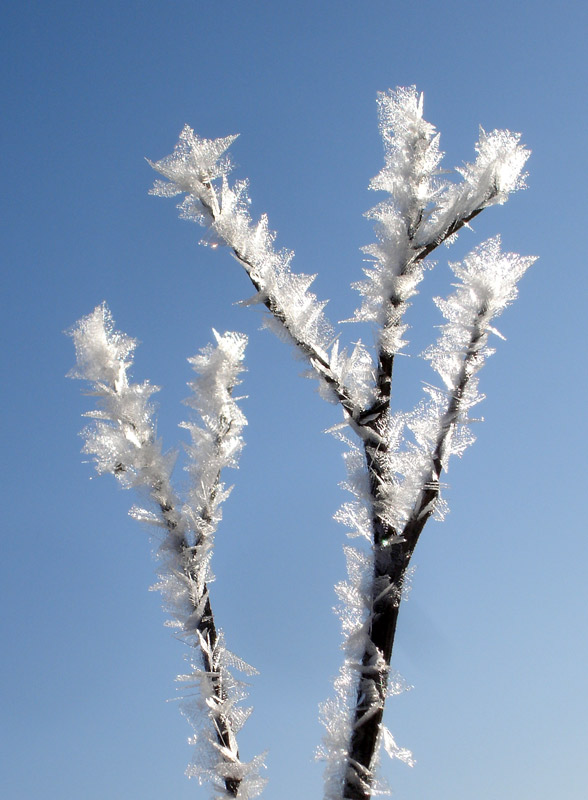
x: 122, y: 441
x: 198, y: 168
x: 408, y: 494
x: 395, y: 461
x: 423, y: 210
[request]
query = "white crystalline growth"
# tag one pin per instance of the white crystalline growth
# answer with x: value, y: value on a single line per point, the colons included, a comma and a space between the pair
x: 423, y: 209
x: 204, y: 706
x: 210, y: 200
x: 217, y: 441
x: 487, y: 285
x: 496, y: 172
x: 419, y: 445
x: 337, y: 713
x: 195, y: 162
x: 355, y: 596
x: 295, y: 312
x: 409, y: 176
x: 123, y: 441
x: 440, y: 425
x: 412, y: 155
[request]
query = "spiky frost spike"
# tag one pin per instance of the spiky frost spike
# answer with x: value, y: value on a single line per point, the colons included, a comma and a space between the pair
x: 122, y: 441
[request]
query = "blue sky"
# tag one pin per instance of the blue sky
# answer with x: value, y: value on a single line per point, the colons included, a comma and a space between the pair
x: 493, y: 637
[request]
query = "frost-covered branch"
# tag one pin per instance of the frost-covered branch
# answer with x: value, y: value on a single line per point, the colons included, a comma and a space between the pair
x: 199, y: 169
x: 488, y: 283
x: 122, y: 441
x: 422, y: 211
x: 404, y: 502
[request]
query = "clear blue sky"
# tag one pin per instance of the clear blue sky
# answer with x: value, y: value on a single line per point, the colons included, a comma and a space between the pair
x: 493, y: 637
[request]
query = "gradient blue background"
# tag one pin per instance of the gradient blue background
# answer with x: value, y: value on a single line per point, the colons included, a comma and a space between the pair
x: 493, y: 637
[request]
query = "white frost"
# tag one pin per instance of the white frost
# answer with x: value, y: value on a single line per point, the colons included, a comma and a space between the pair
x: 123, y: 441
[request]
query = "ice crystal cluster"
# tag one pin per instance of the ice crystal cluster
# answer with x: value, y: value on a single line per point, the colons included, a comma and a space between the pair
x: 395, y: 460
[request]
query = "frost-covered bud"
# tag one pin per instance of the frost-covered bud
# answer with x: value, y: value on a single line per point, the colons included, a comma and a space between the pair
x: 492, y: 275
x: 122, y: 438
x: 102, y: 353
x: 194, y: 163
x: 498, y: 168
x: 411, y: 147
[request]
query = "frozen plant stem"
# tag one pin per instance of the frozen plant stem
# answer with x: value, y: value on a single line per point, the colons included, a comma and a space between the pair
x: 123, y: 442
x: 315, y: 356
x: 488, y: 284
x: 206, y: 640
x: 393, y: 551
